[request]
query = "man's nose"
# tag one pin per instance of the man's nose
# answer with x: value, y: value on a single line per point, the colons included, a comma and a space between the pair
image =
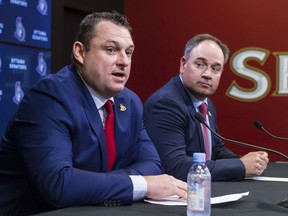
x: 123, y: 59
x: 207, y: 71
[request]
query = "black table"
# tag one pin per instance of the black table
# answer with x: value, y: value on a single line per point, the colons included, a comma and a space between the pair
x: 262, y: 200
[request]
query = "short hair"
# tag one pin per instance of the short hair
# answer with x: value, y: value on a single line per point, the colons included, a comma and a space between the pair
x: 193, y: 42
x: 87, y: 28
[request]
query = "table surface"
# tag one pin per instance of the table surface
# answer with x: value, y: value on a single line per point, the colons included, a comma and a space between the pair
x: 263, y: 200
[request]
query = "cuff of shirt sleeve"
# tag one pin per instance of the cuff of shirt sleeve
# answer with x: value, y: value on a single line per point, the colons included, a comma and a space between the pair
x: 139, y: 187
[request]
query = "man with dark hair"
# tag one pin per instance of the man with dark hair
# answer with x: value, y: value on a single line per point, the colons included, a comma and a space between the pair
x: 77, y: 137
x: 170, y: 123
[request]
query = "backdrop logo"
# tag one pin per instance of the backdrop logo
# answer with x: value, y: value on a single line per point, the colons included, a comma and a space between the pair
x: 17, y: 64
x: 39, y: 35
x: 18, y: 95
x: 0, y: 64
x: 259, y: 78
x: 22, y: 3
x: 20, y: 33
x: 42, y: 7
x: 1, y: 27
x: 42, y: 66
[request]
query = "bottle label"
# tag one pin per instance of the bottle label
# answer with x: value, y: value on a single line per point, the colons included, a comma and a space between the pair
x: 196, y: 200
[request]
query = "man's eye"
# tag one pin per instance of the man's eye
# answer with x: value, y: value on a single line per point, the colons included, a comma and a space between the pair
x: 111, y: 50
x: 199, y: 65
x: 129, y: 53
x: 216, y: 69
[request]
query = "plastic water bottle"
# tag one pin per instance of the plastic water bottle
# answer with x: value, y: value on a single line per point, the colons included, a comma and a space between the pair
x: 199, y: 187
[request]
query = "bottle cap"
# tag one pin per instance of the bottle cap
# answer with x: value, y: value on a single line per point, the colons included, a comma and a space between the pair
x: 199, y: 157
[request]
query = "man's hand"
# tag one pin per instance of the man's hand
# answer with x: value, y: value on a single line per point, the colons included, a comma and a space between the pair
x: 161, y: 186
x: 255, y: 162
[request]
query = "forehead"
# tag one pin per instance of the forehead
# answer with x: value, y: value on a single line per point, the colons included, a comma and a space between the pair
x: 106, y: 30
x: 208, y: 50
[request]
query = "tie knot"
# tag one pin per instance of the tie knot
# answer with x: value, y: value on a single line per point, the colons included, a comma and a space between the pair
x: 108, y: 106
x: 203, y: 109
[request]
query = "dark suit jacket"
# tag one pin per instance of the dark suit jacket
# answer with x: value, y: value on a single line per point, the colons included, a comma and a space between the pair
x: 170, y: 123
x: 53, y: 153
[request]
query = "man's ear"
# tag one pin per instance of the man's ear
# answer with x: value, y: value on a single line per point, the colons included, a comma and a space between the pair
x: 78, y: 51
x: 182, y: 64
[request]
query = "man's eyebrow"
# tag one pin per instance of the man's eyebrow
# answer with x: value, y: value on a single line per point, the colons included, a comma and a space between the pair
x: 111, y: 41
x: 132, y: 46
x: 206, y: 61
x: 202, y: 59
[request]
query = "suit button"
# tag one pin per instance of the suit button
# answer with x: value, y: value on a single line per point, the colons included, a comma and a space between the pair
x: 106, y: 203
x: 112, y: 203
x: 118, y: 202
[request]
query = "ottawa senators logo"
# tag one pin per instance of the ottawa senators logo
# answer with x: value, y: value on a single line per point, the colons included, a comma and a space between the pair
x: 42, y: 7
x: 18, y: 95
x: 20, y: 33
x: 42, y: 66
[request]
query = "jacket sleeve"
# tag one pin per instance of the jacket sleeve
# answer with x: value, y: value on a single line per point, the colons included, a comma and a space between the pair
x: 171, y: 128
x: 43, y: 136
x: 167, y: 126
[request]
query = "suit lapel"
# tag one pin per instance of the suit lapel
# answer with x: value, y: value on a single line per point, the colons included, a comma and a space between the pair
x: 96, y: 124
x: 122, y: 126
x: 93, y: 118
x: 211, y: 116
x: 191, y: 110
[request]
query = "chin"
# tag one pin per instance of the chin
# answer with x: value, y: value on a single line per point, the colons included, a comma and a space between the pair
x: 118, y: 89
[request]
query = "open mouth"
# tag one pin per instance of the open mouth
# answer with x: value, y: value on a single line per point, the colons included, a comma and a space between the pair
x: 119, y: 74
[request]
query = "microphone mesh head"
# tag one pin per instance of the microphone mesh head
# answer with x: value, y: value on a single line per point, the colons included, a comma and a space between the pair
x: 258, y: 124
x: 199, y: 117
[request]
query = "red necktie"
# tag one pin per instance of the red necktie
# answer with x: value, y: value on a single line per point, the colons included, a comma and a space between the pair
x: 109, y: 133
x: 203, y: 110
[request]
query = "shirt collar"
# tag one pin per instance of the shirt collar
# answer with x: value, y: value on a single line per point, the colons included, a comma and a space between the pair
x: 196, y: 102
x: 98, y: 99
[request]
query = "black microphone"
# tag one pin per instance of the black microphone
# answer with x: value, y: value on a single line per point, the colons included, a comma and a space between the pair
x: 260, y: 126
x: 199, y: 117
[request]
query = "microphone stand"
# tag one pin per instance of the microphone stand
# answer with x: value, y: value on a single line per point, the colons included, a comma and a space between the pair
x: 199, y: 117
x: 260, y: 126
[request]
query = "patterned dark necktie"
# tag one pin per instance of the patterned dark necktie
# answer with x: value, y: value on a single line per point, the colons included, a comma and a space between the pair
x: 203, y: 111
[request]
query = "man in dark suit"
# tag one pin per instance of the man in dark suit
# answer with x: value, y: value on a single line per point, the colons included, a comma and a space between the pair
x: 170, y: 123
x: 54, y: 154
